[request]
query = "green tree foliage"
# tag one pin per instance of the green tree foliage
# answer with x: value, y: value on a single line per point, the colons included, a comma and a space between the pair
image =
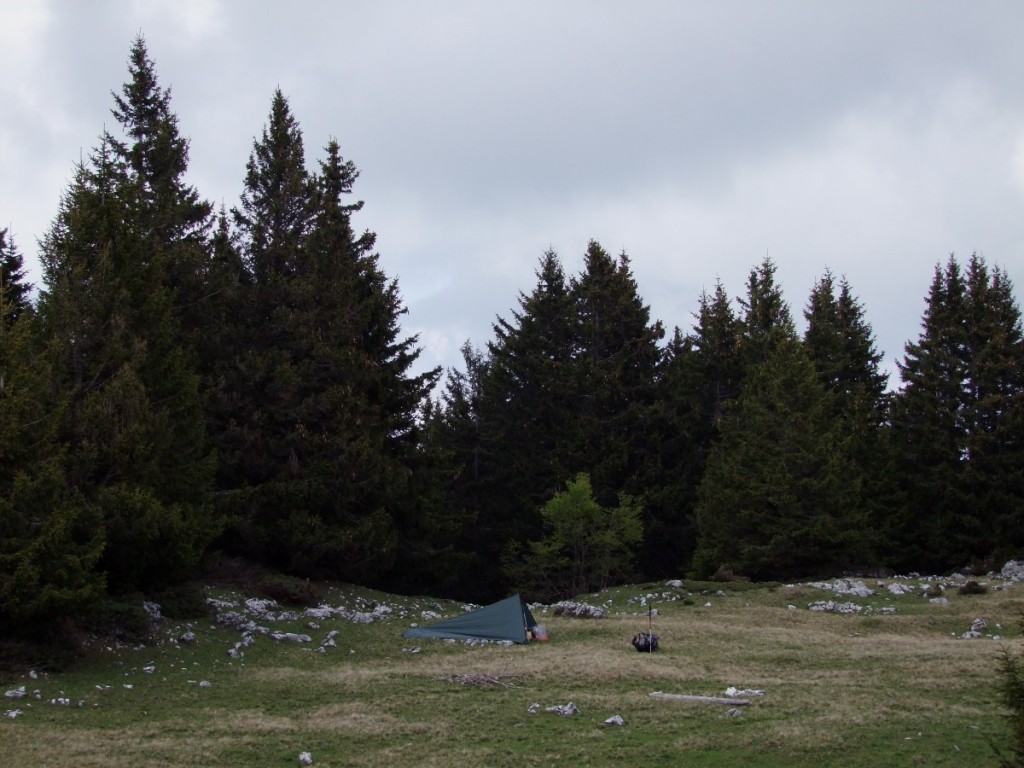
x: 357, y: 354
x: 993, y: 416
x: 585, y: 546
x: 777, y: 499
x: 1010, y: 686
x: 617, y: 357
x: 718, y: 370
x: 779, y: 496
x: 273, y: 216
x: 454, y: 449
x: 957, y: 422
x: 255, y: 395
x: 134, y: 423
x: 699, y: 375
x: 841, y: 345
x: 527, y: 409
x: 671, y: 472
x: 15, y: 289
x: 317, y: 411
x: 50, y: 540
x: 766, y: 318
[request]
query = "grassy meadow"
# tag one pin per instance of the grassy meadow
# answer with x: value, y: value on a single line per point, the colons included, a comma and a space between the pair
x: 894, y: 685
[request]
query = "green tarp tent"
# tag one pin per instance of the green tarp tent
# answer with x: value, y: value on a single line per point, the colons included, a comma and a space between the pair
x: 507, y: 619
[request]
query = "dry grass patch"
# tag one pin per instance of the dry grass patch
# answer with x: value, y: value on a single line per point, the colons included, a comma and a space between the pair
x: 894, y: 690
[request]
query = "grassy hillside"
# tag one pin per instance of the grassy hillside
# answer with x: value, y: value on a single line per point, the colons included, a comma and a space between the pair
x: 894, y: 685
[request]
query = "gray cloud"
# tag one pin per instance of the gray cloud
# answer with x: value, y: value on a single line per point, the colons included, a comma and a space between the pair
x: 872, y: 138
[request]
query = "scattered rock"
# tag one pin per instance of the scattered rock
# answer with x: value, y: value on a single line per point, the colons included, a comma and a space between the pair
x: 329, y: 642
x: 13, y: 713
x: 732, y: 692
x: 16, y: 693
x: 291, y: 637
x: 305, y: 758
x: 831, y: 606
x: 320, y: 612
x: 582, y: 610
x: 565, y: 710
x: 615, y: 720
x: 853, y: 587
x: 1013, y: 571
x: 734, y: 712
x: 899, y: 589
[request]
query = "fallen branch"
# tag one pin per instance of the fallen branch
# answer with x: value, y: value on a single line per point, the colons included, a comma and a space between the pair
x: 700, y: 699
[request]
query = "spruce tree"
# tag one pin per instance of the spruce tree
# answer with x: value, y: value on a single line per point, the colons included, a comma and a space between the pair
x: 273, y: 216
x: 525, y: 417
x: 14, y: 287
x: 927, y: 432
x: 841, y: 345
x: 50, y: 540
x: 957, y: 424
x: 113, y: 281
x: 361, y: 400
x: 994, y: 410
x: 445, y: 536
x: 766, y: 318
x: 700, y: 375
x: 716, y: 341
x: 673, y: 466
x: 777, y: 500
x: 324, y: 432
x: 255, y: 392
x: 616, y: 366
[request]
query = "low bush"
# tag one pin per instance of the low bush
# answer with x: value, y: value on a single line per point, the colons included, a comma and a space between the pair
x: 184, y: 601
x: 1011, y: 693
x: 972, y: 588
x: 123, y: 618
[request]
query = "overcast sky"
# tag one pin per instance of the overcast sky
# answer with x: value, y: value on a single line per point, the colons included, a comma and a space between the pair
x: 871, y: 138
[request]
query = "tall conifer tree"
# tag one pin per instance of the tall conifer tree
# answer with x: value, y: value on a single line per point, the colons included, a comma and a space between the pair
x: 113, y: 278
x: 841, y: 345
x: 526, y: 415
x: 957, y: 423
x: 776, y: 500
x: 14, y: 287
x: 616, y: 367
x: 700, y: 375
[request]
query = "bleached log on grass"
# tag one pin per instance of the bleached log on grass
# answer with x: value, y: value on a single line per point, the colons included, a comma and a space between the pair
x: 700, y: 699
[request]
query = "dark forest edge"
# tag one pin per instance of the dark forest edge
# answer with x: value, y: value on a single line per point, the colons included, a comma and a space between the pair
x: 189, y: 385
